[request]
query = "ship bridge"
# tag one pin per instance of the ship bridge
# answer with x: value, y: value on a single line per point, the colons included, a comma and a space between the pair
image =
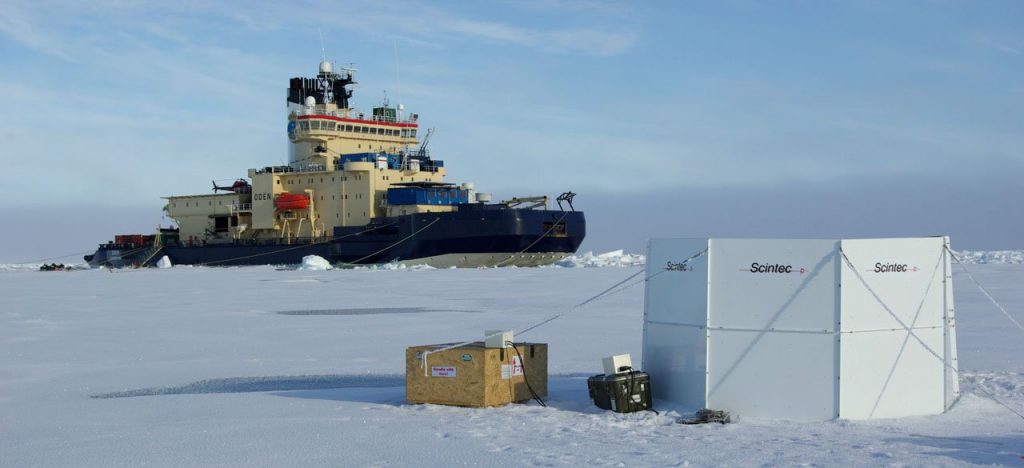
x: 323, y: 126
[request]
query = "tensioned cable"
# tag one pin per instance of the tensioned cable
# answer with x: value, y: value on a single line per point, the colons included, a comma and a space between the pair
x: 982, y: 289
x: 919, y: 340
x: 1001, y: 309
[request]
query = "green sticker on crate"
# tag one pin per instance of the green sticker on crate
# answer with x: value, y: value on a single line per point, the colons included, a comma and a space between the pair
x: 467, y: 357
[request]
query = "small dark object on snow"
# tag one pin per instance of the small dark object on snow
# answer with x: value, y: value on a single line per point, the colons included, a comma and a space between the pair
x: 625, y: 392
x: 705, y: 416
x: 53, y: 267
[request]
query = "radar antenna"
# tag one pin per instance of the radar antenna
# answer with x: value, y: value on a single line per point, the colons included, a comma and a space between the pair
x: 323, y: 49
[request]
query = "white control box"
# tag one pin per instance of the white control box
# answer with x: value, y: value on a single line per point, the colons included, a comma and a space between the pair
x: 497, y: 338
x: 613, y: 364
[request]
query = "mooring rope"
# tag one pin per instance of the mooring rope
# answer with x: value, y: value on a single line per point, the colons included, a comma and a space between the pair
x: 410, y: 236
x: 542, y: 236
x: 295, y: 247
x: 603, y: 294
x: 53, y: 258
x: 279, y: 250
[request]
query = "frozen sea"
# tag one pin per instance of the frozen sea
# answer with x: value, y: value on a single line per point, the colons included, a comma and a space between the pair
x: 258, y: 366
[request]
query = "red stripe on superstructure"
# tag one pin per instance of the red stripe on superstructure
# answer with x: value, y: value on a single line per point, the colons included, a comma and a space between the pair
x: 359, y: 121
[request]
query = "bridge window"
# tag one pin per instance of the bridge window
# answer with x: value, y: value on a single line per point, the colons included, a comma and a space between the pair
x: 365, y: 129
x: 304, y: 125
x: 315, y: 125
x: 329, y: 126
x: 348, y: 128
x: 554, y: 230
x: 412, y: 133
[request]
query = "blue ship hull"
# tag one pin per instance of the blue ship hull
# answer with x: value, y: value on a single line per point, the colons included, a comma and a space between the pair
x: 473, y: 235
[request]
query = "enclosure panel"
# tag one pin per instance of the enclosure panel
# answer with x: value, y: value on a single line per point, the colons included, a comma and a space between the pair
x: 952, y: 367
x: 894, y: 283
x: 776, y: 375
x: 676, y: 359
x: 676, y: 289
x: 759, y: 284
x: 888, y: 374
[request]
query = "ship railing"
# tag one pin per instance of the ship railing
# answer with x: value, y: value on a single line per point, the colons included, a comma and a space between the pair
x: 356, y: 115
x: 292, y: 241
x: 275, y: 169
x: 293, y: 168
x: 309, y: 167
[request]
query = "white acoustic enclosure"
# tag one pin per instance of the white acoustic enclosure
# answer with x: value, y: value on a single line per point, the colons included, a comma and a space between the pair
x: 804, y: 330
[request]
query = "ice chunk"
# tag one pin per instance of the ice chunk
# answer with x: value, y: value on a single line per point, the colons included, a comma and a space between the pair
x: 164, y: 262
x: 315, y: 263
x: 615, y: 258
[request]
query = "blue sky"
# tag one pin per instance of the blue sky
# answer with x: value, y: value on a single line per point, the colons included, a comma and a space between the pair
x: 123, y: 102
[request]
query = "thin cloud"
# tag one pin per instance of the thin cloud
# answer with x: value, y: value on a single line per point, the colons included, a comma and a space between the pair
x: 1007, y: 44
x: 434, y: 25
x: 19, y: 26
x: 35, y: 27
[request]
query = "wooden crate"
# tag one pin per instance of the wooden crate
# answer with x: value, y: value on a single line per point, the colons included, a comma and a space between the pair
x: 475, y: 376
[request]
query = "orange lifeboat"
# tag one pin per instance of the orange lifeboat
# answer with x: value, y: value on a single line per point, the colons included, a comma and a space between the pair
x: 291, y: 201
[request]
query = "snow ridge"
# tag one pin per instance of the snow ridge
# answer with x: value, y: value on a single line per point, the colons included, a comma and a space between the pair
x: 993, y: 257
x: 617, y: 258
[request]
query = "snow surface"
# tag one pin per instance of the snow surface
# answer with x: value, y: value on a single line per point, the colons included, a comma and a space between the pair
x: 257, y: 366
